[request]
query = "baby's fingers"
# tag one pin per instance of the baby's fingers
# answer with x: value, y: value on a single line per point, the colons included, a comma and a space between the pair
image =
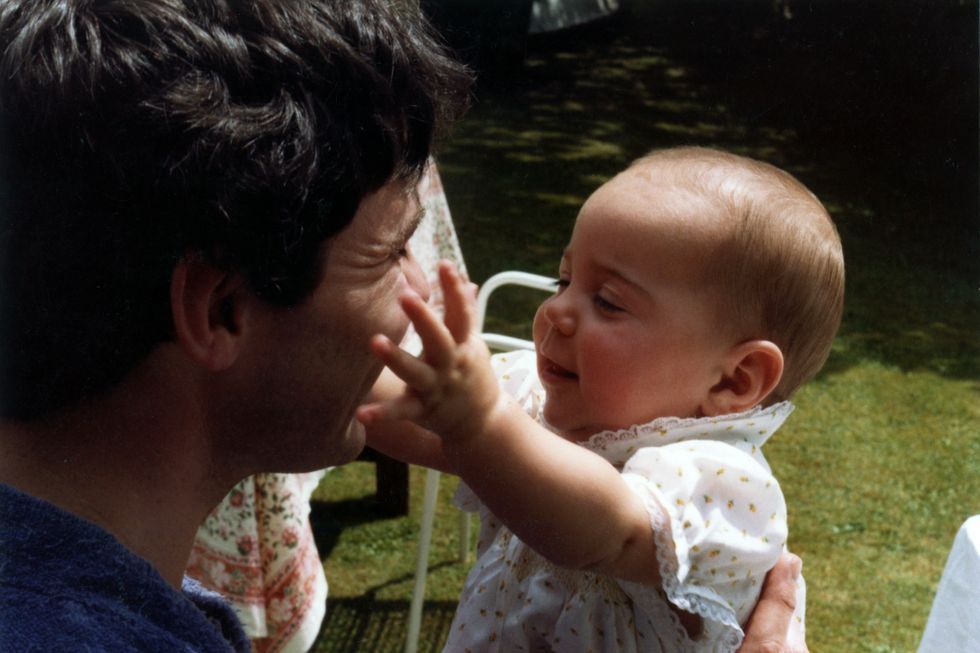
x: 404, y: 407
x: 459, y: 301
x: 437, y: 342
x: 415, y: 373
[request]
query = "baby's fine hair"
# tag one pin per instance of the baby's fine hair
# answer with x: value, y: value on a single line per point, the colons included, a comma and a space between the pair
x: 779, y: 269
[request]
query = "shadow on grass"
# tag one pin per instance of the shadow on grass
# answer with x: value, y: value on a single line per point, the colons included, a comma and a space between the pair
x: 364, y: 623
x: 913, y: 318
x: 367, y: 623
x: 885, y: 136
x: 329, y: 519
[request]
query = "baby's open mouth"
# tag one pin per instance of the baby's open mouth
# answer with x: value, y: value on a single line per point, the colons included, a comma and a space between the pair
x: 554, y: 368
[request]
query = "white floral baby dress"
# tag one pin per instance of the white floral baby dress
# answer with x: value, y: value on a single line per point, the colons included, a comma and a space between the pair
x: 720, y: 523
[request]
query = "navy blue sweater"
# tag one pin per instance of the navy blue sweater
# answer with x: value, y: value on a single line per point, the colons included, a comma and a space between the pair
x: 68, y: 585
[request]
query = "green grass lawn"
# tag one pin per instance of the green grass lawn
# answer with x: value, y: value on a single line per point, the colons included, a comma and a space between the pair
x: 879, y: 463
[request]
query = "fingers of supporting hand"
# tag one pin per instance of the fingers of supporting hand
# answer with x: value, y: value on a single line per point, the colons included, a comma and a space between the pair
x: 784, y: 575
x: 460, y: 310
x: 770, y: 623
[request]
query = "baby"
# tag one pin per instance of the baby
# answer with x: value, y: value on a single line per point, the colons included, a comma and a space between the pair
x: 624, y: 498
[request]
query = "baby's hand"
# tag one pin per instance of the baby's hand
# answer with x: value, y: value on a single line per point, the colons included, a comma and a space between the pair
x: 451, y: 387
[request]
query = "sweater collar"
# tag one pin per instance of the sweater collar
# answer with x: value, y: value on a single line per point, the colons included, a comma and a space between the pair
x: 61, y: 554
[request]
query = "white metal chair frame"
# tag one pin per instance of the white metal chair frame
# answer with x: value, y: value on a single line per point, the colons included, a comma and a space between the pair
x: 499, y: 342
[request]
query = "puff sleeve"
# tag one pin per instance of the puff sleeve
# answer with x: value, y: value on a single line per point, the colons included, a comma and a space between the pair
x: 720, y: 524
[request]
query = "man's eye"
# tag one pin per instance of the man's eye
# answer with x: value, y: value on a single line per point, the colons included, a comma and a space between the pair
x: 606, y: 306
x: 560, y: 284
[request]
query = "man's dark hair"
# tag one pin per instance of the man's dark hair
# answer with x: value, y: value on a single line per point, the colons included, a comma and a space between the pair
x: 135, y: 131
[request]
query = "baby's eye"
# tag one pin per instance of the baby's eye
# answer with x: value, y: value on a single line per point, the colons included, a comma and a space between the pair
x: 605, y: 305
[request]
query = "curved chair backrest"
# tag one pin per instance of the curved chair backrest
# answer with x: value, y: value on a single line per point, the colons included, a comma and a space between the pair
x: 509, y: 278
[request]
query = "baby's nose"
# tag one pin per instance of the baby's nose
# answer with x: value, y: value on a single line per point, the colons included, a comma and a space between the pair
x: 560, y: 313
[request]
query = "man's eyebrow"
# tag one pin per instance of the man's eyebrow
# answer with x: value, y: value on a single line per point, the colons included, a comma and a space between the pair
x: 409, y: 226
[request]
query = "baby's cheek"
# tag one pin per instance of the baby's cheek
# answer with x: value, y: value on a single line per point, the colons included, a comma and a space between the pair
x: 610, y: 398
x: 539, y: 326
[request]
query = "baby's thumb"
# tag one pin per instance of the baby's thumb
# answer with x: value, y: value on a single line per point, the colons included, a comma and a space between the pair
x: 368, y: 414
x: 472, y: 290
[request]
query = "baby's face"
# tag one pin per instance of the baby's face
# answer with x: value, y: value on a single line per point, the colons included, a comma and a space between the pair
x: 631, y: 334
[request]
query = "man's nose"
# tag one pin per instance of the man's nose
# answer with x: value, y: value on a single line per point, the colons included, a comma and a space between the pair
x: 415, y: 276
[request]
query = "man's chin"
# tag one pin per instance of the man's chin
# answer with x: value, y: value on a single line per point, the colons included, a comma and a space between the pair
x: 350, y: 445
x: 336, y: 448
x: 355, y: 434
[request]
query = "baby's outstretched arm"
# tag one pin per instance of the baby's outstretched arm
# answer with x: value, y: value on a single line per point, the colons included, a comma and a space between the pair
x: 565, y: 502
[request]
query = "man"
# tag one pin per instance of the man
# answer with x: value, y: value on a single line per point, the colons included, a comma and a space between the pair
x: 205, y: 214
x: 204, y: 209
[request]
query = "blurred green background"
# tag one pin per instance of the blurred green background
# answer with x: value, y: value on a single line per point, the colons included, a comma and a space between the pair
x: 873, y: 105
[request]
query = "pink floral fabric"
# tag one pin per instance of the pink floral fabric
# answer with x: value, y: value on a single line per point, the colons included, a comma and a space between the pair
x: 256, y: 547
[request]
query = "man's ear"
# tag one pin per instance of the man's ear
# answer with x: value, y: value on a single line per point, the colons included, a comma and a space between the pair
x: 208, y: 306
x: 751, y: 371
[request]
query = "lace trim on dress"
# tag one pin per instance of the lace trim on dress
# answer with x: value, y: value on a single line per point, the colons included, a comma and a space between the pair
x: 662, y: 425
x: 671, y: 631
x: 721, y: 630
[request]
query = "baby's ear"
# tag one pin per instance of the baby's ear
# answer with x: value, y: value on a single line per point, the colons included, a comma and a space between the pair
x: 751, y: 371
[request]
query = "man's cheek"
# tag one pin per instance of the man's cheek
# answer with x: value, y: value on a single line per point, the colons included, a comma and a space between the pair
x: 391, y: 320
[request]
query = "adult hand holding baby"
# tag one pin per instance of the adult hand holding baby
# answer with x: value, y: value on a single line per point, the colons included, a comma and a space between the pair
x: 773, y: 627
